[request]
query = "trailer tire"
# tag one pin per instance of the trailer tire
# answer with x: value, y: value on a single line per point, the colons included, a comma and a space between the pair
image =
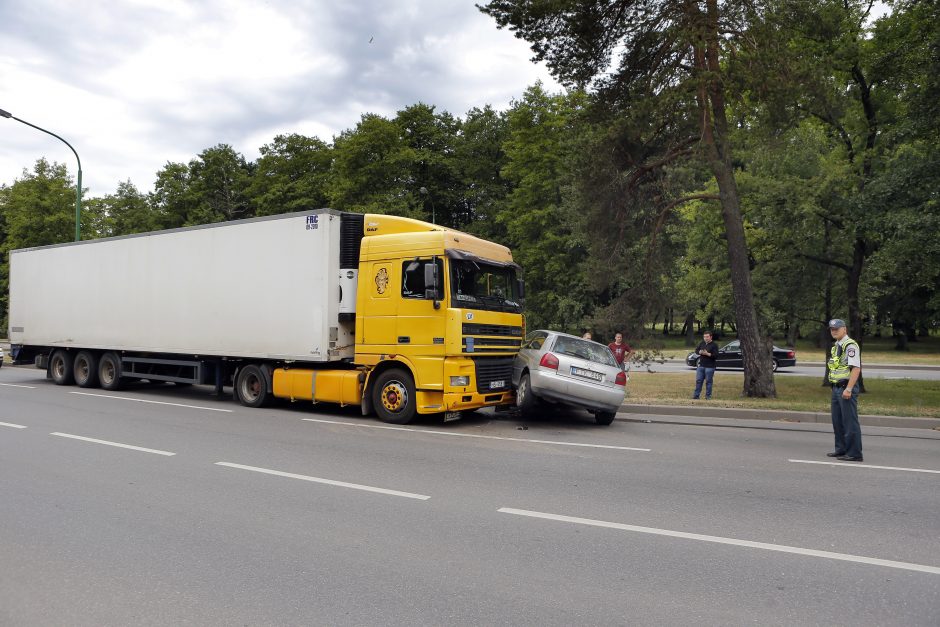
x: 109, y: 371
x: 394, y: 397
x: 61, y: 368
x: 252, y: 387
x: 85, y: 369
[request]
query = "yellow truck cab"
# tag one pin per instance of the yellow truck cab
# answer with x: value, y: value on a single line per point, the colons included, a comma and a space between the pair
x: 438, y: 319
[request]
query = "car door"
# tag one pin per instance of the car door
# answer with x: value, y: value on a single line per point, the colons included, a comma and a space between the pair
x: 529, y: 354
x: 729, y: 356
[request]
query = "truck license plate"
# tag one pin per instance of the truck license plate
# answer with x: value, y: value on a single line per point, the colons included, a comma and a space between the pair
x: 589, y: 374
x: 501, y: 383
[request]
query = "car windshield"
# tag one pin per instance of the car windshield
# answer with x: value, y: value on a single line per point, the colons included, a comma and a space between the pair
x: 476, y: 285
x: 583, y: 349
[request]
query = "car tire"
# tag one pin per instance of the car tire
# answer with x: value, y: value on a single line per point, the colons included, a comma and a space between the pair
x: 85, y: 369
x: 61, y: 368
x: 525, y: 398
x: 604, y: 417
x: 774, y: 365
x: 394, y: 398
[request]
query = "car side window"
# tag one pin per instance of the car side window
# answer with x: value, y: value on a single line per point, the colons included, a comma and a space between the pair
x: 535, y: 341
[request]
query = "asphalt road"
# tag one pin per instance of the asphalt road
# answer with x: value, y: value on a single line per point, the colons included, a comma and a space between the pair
x: 878, y: 371
x: 300, y: 515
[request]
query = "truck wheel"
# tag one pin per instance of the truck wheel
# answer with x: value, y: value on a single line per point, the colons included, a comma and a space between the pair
x: 61, y: 368
x: 525, y: 399
x: 109, y: 371
x: 86, y: 369
x: 394, y: 397
x: 252, y: 387
x: 604, y: 417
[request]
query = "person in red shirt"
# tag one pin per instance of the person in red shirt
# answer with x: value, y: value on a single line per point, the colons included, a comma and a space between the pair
x: 620, y: 349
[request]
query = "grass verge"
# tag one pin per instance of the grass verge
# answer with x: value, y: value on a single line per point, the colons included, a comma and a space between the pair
x: 884, y: 397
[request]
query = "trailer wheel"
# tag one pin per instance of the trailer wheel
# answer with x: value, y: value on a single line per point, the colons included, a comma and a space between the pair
x: 61, y: 368
x: 394, y: 397
x: 86, y: 369
x: 109, y: 371
x: 252, y: 387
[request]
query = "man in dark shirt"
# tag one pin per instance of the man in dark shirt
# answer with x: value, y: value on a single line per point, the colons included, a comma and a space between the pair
x: 707, y: 351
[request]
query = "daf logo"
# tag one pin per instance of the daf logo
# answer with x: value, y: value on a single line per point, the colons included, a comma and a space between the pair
x: 470, y: 315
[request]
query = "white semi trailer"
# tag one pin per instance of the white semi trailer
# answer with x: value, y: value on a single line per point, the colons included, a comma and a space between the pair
x: 317, y: 306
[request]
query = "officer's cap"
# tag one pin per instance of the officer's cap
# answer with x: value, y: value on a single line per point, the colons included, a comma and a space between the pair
x: 836, y: 323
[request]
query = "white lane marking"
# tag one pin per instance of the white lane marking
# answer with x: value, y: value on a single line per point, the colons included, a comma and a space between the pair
x: 474, y: 435
x: 14, y: 385
x: 10, y: 424
x: 340, y: 484
x: 781, y: 548
x: 863, y: 465
x: 117, y: 444
x: 141, y: 400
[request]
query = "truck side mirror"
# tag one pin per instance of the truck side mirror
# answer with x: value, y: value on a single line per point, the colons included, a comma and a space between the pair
x: 520, y: 288
x: 432, y: 283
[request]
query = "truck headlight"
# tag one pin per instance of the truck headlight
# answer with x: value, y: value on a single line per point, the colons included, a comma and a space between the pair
x: 457, y: 382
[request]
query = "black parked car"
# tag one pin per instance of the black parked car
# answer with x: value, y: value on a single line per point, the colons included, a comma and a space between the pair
x: 729, y: 356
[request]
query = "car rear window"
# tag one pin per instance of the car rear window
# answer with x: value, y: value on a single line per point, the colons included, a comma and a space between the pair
x: 582, y: 349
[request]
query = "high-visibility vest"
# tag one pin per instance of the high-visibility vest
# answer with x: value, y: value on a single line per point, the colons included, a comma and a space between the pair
x: 839, y: 370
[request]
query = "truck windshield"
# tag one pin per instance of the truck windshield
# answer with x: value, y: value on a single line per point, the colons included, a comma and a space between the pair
x: 477, y: 285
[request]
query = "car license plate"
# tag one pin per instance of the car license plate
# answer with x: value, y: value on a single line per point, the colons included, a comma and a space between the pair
x: 501, y: 383
x: 588, y: 374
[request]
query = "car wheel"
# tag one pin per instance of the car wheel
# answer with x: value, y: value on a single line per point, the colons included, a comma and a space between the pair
x: 604, y: 417
x: 85, y: 370
x: 774, y: 365
x: 525, y: 399
x: 393, y: 397
x: 61, y: 368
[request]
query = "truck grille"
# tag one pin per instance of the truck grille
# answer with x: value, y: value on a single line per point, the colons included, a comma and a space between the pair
x: 491, y: 329
x: 494, y: 374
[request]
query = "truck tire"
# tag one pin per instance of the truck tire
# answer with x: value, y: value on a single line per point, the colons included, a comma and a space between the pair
x: 393, y: 396
x: 61, y: 367
x: 252, y: 387
x: 525, y: 399
x: 85, y: 369
x: 109, y: 371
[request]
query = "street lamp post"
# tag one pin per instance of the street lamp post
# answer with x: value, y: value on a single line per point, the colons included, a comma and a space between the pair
x: 78, y: 184
x: 424, y: 192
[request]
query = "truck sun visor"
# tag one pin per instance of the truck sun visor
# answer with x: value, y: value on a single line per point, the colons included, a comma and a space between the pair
x: 462, y: 255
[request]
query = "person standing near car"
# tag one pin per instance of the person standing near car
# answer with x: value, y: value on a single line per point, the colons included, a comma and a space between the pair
x: 707, y: 352
x: 845, y: 367
x: 620, y: 349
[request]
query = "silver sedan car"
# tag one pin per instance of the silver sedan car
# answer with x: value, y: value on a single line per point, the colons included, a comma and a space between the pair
x: 559, y: 368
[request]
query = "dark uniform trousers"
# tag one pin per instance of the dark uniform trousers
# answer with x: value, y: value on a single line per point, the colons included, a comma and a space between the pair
x: 848, y: 433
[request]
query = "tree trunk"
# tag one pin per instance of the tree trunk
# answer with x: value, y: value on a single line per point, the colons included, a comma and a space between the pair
x: 758, y: 373
x: 689, y: 329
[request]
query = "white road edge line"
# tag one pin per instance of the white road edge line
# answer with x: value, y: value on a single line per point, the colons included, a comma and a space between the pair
x: 141, y: 400
x: 14, y: 385
x: 474, y: 435
x: 781, y: 548
x: 117, y: 444
x: 862, y: 465
x: 340, y: 484
x: 10, y: 424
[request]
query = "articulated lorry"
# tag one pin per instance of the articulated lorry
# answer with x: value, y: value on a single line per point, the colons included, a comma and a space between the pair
x: 398, y: 316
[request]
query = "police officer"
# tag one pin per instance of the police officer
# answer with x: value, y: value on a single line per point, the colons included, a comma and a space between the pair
x: 845, y: 367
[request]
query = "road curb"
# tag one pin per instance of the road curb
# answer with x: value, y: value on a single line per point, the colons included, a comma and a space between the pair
x: 902, y: 422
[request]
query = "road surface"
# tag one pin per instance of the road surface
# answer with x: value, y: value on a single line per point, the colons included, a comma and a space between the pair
x: 161, y: 505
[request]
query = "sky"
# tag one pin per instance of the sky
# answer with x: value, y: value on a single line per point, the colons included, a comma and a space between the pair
x: 134, y: 84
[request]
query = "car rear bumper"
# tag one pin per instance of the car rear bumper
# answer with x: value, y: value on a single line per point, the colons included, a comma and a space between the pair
x: 553, y: 387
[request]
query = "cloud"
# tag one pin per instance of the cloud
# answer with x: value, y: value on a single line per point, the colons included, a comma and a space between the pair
x: 135, y: 84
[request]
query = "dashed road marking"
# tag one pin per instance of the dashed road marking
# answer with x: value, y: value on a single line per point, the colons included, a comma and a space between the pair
x: 863, y: 465
x: 16, y: 385
x: 332, y: 482
x: 141, y: 400
x: 11, y: 425
x: 117, y: 444
x: 780, y: 548
x: 475, y: 435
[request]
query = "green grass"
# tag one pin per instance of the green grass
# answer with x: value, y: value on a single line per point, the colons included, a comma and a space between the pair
x: 876, y: 350
x: 885, y: 397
